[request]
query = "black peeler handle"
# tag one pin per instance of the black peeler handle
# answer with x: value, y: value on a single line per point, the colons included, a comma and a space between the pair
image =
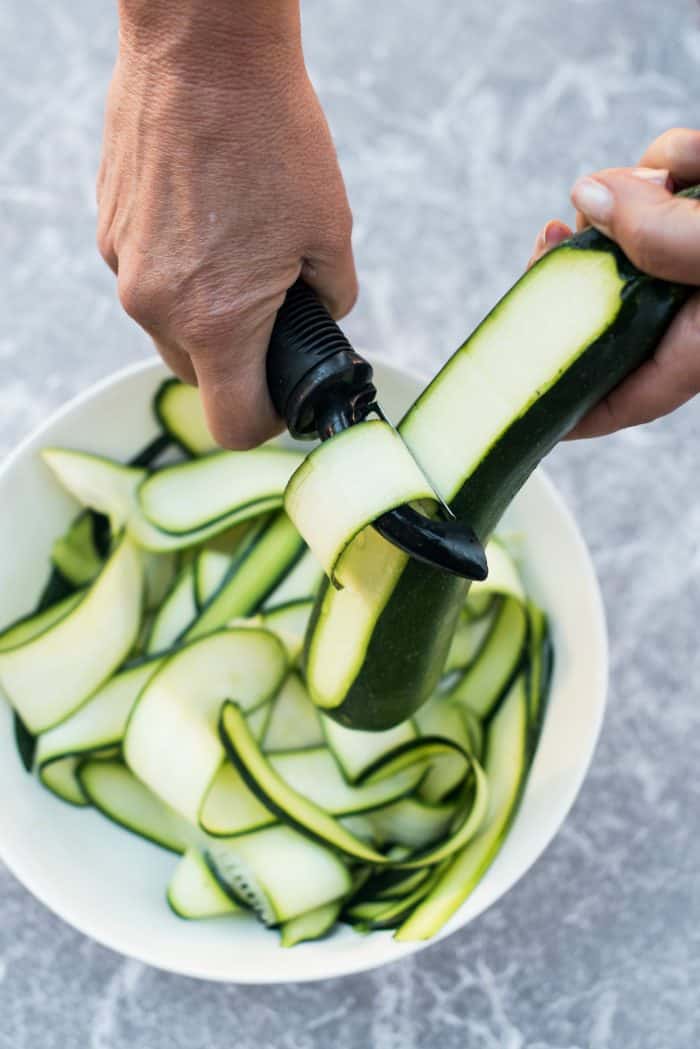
x: 311, y: 363
x: 320, y: 385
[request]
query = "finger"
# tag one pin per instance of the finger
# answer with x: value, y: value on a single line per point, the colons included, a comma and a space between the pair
x: 177, y: 360
x: 334, y: 279
x: 233, y: 384
x: 662, y: 384
x: 678, y: 150
x: 549, y: 237
x: 647, y: 174
x: 659, y: 232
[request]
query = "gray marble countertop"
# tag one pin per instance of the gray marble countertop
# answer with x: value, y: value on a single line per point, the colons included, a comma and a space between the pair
x: 460, y: 126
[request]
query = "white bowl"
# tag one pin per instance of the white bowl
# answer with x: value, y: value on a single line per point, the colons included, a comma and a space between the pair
x: 108, y: 883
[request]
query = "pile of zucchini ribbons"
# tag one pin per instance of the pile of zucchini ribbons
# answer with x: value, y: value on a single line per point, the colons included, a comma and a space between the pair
x: 161, y: 681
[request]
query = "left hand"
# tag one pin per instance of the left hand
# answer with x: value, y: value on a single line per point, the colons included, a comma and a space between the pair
x: 661, y: 235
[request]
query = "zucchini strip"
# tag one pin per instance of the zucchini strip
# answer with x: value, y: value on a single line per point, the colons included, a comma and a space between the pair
x: 313, y: 925
x: 294, y: 721
x: 60, y: 777
x: 30, y: 626
x: 264, y: 559
x: 506, y: 766
x: 75, y: 553
x: 300, y: 583
x: 43, y: 679
x: 119, y: 795
x: 171, y: 740
x: 289, y: 623
x: 345, y: 484
x: 111, y: 489
x: 281, y: 799
x: 101, y: 722
x: 176, y: 613
x: 194, y: 892
x: 485, y: 681
x: 179, y: 410
x: 279, y: 873
x: 187, y: 496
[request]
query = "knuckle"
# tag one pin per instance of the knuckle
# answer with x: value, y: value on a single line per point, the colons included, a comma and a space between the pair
x: 145, y: 294
x: 105, y: 246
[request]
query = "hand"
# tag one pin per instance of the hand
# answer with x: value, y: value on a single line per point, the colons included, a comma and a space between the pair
x: 661, y: 235
x: 219, y: 184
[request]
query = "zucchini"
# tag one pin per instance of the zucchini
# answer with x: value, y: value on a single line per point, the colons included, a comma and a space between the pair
x: 188, y: 496
x: 112, y: 489
x: 122, y: 798
x: 345, y: 484
x: 301, y: 582
x: 75, y: 554
x: 440, y: 717
x: 294, y: 721
x: 259, y: 719
x: 28, y: 627
x: 278, y: 873
x: 572, y: 328
x: 100, y: 723
x: 468, y: 638
x: 540, y: 664
x: 179, y: 707
x: 314, y: 774
x: 179, y: 410
x: 60, y: 777
x: 289, y: 623
x: 176, y: 613
x: 194, y: 892
x: 279, y: 797
x: 159, y: 573
x: 359, y: 753
x: 313, y: 925
x: 230, y: 807
x: 412, y: 822
x: 506, y: 765
x: 486, y: 679
x: 52, y: 674
x: 210, y: 569
x: 264, y: 559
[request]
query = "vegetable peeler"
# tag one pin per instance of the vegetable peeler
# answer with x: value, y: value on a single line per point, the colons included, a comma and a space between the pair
x: 320, y: 385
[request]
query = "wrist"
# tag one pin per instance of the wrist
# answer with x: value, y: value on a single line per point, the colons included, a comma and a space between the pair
x: 211, y: 40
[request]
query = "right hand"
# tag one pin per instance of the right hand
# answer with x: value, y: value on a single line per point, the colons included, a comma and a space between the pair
x: 219, y: 184
x: 660, y: 233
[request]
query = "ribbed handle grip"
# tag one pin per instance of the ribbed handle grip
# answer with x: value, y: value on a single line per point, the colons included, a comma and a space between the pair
x: 307, y: 356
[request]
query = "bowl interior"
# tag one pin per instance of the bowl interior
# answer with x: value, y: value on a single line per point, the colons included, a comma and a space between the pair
x: 111, y: 885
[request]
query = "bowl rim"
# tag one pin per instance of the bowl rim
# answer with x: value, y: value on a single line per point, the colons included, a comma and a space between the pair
x: 70, y: 913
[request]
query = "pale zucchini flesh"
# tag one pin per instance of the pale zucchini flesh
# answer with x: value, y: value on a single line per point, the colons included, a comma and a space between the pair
x: 113, y: 789
x: 294, y: 721
x: 506, y: 768
x: 346, y: 483
x: 53, y: 674
x: 179, y: 708
x: 191, y: 495
x: 194, y: 892
x: 279, y: 873
x: 265, y: 560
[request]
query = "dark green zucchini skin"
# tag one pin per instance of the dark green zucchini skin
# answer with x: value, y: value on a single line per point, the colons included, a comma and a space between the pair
x: 409, y: 645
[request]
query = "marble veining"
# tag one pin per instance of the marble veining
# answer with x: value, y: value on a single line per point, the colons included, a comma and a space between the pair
x: 460, y: 127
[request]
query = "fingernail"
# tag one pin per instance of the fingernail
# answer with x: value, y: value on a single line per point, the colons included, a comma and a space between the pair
x: 658, y: 176
x: 553, y: 234
x: 594, y: 199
